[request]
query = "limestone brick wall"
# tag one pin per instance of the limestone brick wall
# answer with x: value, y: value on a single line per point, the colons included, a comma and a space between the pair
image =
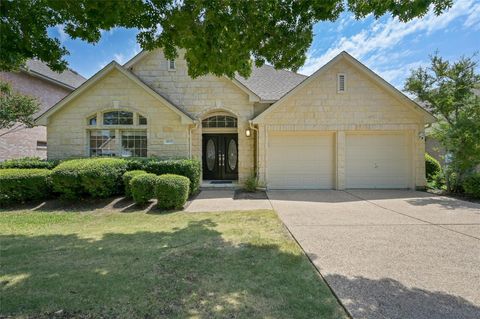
x: 364, y: 106
x: 201, y: 97
x: 68, y: 129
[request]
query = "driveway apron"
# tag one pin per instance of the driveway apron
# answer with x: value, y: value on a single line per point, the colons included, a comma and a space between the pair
x: 390, y: 253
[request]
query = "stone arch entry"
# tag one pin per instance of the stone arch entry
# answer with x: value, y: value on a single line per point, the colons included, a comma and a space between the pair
x: 220, y: 146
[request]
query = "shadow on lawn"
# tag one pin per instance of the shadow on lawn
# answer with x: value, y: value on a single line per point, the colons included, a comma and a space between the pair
x: 389, y: 298
x: 118, y: 204
x: 189, y: 272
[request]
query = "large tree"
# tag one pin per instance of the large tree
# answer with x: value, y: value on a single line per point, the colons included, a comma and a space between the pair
x: 220, y: 36
x: 448, y: 89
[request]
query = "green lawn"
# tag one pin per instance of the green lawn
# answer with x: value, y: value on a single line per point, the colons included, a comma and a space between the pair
x: 109, y: 264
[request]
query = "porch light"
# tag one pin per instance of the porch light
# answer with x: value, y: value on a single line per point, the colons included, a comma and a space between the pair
x: 248, y: 132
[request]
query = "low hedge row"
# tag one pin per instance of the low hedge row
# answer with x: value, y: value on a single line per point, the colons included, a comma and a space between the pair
x: 97, y: 177
x: 29, y: 162
x: 185, y: 167
x: 21, y: 185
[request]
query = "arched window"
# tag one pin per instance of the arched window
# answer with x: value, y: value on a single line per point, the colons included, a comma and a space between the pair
x: 220, y: 121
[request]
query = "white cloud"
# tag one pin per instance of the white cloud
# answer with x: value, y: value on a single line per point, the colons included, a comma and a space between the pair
x: 382, y: 38
x: 123, y: 58
x: 62, y: 35
x: 120, y: 58
x: 473, y: 20
x: 396, y: 75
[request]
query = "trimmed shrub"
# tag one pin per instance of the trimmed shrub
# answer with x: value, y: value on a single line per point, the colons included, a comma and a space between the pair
x: 471, y: 185
x: 127, y: 177
x: 98, y: 177
x: 251, y: 184
x: 186, y: 167
x: 21, y: 185
x: 172, y: 191
x: 29, y: 162
x: 432, y: 167
x: 143, y: 187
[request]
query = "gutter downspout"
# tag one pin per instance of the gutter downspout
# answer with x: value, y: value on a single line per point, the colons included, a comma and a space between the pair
x: 251, y: 125
x: 195, y: 126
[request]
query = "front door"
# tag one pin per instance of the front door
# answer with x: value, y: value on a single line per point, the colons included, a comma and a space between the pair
x: 220, y: 156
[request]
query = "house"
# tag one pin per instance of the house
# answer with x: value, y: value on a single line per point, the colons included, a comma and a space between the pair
x: 342, y: 127
x: 37, y: 80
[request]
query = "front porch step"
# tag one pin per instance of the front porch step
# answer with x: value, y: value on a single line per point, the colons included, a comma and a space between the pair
x: 207, y: 184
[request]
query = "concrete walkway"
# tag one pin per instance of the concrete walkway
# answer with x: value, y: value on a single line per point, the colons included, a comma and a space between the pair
x: 390, y: 254
x: 215, y: 200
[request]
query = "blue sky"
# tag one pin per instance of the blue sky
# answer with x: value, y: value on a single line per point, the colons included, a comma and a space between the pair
x: 387, y: 46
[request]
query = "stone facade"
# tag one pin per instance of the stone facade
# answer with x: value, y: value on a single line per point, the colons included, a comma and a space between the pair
x: 315, y: 106
x: 19, y: 141
x: 365, y: 106
x: 68, y: 128
x: 201, y: 97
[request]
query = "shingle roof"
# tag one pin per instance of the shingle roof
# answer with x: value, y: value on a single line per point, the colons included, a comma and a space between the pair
x: 67, y: 77
x: 269, y: 83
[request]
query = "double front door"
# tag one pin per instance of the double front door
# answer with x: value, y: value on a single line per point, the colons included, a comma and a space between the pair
x: 220, y: 156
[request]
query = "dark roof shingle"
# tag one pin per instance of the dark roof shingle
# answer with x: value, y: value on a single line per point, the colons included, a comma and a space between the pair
x: 271, y: 84
x: 67, y: 77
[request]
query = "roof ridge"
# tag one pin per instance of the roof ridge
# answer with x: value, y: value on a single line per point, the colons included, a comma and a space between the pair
x: 287, y: 70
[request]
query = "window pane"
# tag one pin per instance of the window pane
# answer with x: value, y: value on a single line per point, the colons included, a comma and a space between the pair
x: 142, y: 120
x: 118, y: 118
x: 220, y: 121
x: 134, y: 143
x: 102, y: 143
x: 92, y: 120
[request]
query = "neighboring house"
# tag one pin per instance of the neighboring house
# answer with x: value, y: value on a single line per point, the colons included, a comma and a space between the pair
x: 342, y: 127
x: 49, y: 87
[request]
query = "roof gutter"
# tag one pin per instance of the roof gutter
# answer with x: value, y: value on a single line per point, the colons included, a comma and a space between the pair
x: 49, y: 79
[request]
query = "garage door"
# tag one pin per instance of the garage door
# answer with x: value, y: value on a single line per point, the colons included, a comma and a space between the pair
x: 377, y: 160
x: 300, y: 160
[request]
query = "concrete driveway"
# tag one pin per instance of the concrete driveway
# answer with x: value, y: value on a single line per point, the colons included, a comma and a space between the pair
x: 390, y: 253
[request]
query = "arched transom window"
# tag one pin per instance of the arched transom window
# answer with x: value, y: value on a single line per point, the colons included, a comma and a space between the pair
x: 117, y: 133
x: 219, y: 121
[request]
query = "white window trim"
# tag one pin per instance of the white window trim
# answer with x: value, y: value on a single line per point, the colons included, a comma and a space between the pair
x: 174, y: 65
x: 344, y: 83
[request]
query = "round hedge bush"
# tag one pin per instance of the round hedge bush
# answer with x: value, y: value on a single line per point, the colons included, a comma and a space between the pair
x: 172, y: 191
x: 21, y: 185
x: 143, y: 188
x: 97, y: 177
x: 127, y: 177
x: 432, y: 167
x: 471, y: 185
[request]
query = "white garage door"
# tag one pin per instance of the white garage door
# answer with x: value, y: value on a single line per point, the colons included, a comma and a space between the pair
x: 378, y: 160
x: 300, y: 160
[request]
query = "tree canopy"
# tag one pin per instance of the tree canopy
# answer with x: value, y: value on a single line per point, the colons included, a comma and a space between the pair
x: 448, y: 89
x: 220, y: 37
